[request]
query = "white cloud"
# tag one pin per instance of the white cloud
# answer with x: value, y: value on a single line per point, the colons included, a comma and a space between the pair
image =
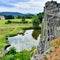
x: 21, y: 5
x: 6, y: 9
x: 2, y: 8
x: 32, y: 6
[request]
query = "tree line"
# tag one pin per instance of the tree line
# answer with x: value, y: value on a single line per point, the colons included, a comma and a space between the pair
x: 27, y: 16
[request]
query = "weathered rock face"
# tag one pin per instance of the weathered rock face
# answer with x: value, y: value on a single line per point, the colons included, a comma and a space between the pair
x: 50, y: 26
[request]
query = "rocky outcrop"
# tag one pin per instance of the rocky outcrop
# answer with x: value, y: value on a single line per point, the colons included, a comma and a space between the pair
x: 50, y: 27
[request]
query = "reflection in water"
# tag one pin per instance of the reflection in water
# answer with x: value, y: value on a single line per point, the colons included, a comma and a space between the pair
x: 23, y: 42
x: 36, y: 33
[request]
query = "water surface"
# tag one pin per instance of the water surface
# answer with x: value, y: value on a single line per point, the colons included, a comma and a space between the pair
x: 23, y: 42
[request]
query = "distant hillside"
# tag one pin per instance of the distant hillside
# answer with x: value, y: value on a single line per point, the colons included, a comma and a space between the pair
x: 15, y: 14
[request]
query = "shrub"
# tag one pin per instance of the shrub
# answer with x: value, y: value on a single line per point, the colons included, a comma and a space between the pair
x: 9, y: 57
x: 8, y: 21
x: 12, y: 50
x: 24, y: 55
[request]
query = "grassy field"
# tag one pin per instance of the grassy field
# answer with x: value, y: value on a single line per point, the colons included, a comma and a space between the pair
x: 12, y: 29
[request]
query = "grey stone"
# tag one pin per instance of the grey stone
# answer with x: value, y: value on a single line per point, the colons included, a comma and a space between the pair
x: 50, y: 26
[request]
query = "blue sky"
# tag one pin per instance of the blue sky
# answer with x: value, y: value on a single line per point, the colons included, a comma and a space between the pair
x: 23, y: 6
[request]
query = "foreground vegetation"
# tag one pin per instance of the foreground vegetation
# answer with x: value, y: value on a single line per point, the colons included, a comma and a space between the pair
x: 13, y: 55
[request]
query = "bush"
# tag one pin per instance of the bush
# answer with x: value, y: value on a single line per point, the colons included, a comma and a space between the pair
x: 24, y: 55
x: 26, y: 21
x: 9, y: 57
x: 12, y: 50
x: 23, y: 19
x: 9, y: 17
x: 8, y: 21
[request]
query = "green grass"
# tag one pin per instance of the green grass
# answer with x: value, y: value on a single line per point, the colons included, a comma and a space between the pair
x: 3, y: 43
x: 22, y: 55
x: 13, y: 28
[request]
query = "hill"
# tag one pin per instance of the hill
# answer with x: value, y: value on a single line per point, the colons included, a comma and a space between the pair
x: 15, y: 14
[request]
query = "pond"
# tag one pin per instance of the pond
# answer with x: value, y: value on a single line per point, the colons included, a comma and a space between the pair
x: 24, y: 42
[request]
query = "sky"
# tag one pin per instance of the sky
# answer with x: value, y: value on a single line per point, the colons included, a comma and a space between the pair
x: 23, y: 6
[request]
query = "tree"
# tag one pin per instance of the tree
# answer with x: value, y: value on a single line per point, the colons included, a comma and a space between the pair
x: 19, y: 17
x: 29, y: 16
x: 35, y: 22
x: 23, y: 19
x: 9, y: 17
x: 40, y: 17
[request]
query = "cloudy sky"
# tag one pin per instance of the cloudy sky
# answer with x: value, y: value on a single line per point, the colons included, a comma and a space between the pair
x: 23, y: 6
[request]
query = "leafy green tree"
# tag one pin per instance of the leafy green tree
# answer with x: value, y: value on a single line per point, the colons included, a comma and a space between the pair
x: 19, y: 17
x: 29, y: 16
x: 23, y: 19
x: 9, y: 17
x: 35, y: 22
x: 40, y: 17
